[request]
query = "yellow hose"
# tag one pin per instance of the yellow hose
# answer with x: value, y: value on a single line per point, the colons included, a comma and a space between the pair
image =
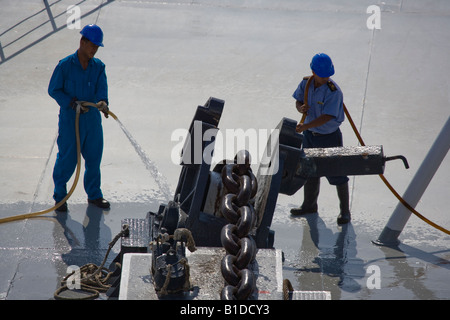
x: 77, y: 174
x: 386, y: 182
x: 91, y: 104
x: 305, y: 98
x: 390, y: 187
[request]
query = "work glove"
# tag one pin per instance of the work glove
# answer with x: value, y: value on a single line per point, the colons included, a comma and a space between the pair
x: 74, y: 104
x: 103, y: 107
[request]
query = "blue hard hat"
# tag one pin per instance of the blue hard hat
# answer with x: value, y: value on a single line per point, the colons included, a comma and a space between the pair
x: 322, y: 65
x: 93, y: 33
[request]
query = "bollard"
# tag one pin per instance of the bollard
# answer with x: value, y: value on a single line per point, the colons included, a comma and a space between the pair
x: 418, y: 185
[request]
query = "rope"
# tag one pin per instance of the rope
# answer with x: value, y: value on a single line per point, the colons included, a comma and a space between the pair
x: 181, y: 233
x: 386, y: 182
x: 93, y: 278
x: 77, y: 174
x: 287, y: 289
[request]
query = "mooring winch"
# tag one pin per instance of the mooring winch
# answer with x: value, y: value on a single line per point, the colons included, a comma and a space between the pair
x: 230, y: 207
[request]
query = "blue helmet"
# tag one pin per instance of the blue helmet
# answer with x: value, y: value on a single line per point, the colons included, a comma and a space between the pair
x: 322, y: 65
x: 93, y: 33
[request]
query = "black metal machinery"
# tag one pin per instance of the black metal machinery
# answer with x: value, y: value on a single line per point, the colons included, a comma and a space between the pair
x: 196, y: 205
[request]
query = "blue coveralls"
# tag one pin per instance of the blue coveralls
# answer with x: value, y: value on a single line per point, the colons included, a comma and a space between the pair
x: 326, y: 99
x: 70, y: 80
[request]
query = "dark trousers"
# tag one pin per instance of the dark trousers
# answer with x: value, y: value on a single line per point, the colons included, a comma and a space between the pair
x: 91, y: 139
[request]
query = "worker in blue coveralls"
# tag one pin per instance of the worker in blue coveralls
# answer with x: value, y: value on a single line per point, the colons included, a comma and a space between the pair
x: 325, y: 113
x: 80, y: 77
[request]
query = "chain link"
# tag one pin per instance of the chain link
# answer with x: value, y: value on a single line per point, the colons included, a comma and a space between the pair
x: 240, y: 247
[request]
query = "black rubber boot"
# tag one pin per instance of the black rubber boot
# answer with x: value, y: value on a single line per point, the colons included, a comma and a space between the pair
x: 343, y: 195
x: 61, y: 208
x: 100, y: 202
x: 311, y: 193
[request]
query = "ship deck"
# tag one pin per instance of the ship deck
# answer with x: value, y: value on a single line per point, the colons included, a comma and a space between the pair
x: 163, y: 59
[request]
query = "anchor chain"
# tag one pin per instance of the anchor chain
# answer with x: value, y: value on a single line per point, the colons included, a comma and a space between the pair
x: 237, y: 208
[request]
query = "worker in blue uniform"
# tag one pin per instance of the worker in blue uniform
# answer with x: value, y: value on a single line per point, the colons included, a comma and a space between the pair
x: 80, y: 77
x: 324, y: 114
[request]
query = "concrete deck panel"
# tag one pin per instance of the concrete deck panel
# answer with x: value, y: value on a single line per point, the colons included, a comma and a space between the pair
x: 163, y: 59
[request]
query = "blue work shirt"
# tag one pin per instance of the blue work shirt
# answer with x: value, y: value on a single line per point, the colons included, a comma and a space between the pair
x: 70, y: 80
x: 322, y: 100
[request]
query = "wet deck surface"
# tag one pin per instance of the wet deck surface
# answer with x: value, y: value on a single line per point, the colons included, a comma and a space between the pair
x: 165, y: 58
